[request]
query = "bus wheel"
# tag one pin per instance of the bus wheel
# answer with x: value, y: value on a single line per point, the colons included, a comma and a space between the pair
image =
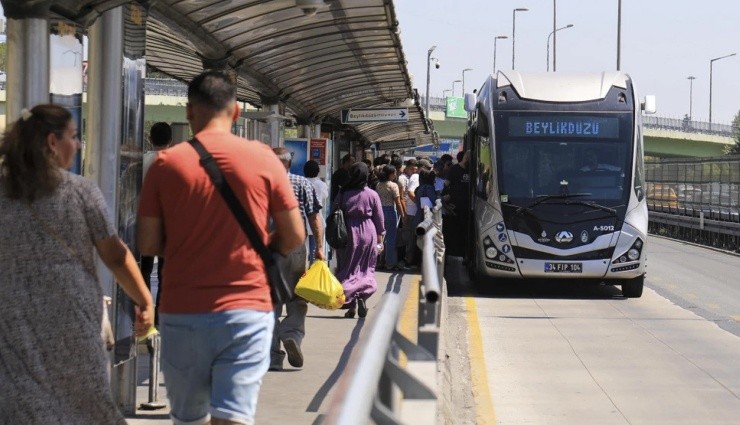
x: 633, y: 288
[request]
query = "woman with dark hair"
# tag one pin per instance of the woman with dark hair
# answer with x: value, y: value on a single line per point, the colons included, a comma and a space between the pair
x: 363, y: 216
x: 393, y: 209
x: 53, y: 366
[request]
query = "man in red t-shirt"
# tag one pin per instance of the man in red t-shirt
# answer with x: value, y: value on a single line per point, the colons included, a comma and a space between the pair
x: 216, y: 316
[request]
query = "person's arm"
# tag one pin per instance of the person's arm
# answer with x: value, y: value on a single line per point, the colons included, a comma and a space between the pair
x: 317, y: 227
x: 118, y: 258
x: 150, y: 236
x: 400, y: 207
x: 289, y: 230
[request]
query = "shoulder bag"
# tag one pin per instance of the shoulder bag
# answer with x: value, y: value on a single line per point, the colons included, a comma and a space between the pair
x: 336, y: 229
x: 280, y: 291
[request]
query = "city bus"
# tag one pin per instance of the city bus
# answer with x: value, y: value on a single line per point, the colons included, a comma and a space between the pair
x: 557, y: 179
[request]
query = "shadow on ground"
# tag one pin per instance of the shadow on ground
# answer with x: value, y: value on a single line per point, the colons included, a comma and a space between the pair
x: 460, y: 285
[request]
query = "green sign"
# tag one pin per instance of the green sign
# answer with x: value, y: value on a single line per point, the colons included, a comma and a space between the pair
x: 456, y: 108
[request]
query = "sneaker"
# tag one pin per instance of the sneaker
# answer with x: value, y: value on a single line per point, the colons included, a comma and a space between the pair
x: 295, y: 357
x: 361, y: 308
x: 275, y: 367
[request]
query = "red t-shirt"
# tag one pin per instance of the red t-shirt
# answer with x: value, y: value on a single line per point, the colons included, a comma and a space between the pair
x: 211, y: 265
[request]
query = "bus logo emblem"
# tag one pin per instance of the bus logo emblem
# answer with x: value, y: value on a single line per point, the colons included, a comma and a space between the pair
x: 564, y: 237
x: 584, y: 236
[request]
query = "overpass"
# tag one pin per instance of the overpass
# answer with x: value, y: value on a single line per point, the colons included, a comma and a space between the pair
x: 664, y: 137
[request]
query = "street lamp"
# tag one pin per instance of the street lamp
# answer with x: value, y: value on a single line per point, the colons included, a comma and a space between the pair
x: 619, y: 34
x: 463, y: 79
x: 513, y: 33
x: 554, y: 59
x: 711, y: 62
x: 429, y: 61
x: 691, y: 79
x: 497, y: 38
x: 453, y: 86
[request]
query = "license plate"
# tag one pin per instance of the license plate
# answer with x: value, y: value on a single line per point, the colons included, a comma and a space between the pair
x: 563, y: 267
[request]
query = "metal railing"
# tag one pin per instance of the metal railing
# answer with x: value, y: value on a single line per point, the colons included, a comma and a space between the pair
x: 375, y: 385
x: 695, y: 199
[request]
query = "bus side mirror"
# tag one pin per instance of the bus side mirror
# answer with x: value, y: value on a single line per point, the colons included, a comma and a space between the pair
x: 470, y: 101
x: 648, y: 106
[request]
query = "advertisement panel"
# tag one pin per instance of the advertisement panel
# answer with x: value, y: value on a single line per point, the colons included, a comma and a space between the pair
x: 455, y: 107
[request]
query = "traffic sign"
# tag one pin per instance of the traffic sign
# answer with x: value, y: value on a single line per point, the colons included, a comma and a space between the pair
x: 355, y: 116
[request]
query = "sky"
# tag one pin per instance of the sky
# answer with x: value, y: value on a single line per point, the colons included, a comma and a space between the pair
x: 663, y: 42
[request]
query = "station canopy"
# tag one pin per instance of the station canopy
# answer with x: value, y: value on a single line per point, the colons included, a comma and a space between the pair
x: 346, y: 55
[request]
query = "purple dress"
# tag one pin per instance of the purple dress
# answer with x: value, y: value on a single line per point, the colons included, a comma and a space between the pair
x: 363, y: 215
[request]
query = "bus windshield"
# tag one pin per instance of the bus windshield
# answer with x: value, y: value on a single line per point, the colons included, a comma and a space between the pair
x: 541, y: 154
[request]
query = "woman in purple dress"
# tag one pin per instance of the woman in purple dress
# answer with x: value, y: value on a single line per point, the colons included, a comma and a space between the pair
x: 363, y: 215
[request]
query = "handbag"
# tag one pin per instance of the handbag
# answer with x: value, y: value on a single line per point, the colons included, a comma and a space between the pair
x: 336, y: 229
x: 280, y: 291
x: 320, y: 287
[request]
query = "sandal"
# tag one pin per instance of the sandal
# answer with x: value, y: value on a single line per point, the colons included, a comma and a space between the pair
x: 350, y: 314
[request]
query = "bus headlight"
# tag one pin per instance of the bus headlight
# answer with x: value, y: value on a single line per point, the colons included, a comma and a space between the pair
x: 491, y: 253
x: 633, y: 254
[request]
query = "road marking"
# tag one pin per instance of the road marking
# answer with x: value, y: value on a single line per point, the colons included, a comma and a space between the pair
x: 408, y: 325
x: 484, y: 411
x: 713, y: 306
x: 735, y: 318
x: 691, y: 295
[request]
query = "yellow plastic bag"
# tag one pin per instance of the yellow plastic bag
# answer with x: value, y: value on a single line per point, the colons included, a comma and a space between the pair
x: 319, y: 287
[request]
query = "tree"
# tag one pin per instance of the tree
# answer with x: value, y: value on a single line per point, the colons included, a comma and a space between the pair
x: 4, y: 57
x: 735, y: 150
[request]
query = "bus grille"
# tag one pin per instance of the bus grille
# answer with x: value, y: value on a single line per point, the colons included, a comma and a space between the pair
x: 530, y: 254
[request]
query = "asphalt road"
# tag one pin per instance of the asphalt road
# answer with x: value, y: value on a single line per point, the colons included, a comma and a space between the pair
x: 575, y: 353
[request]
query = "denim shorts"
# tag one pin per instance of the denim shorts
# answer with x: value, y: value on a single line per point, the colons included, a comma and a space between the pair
x: 213, y: 363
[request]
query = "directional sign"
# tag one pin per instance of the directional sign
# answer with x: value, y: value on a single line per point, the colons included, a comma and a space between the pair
x: 355, y: 116
x: 397, y: 144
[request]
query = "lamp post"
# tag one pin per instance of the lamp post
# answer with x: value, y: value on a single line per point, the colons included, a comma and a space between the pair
x: 513, y: 34
x: 711, y: 63
x: 463, y: 79
x: 453, y: 86
x: 691, y: 79
x: 619, y: 34
x: 429, y: 61
x: 497, y: 38
x: 554, y: 59
x: 554, y: 35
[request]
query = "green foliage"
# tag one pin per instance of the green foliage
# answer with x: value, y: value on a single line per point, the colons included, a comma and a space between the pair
x: 735, y: 150
x: 4, y: 57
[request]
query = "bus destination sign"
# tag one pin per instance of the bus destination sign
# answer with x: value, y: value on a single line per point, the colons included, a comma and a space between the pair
x: 564, y: 126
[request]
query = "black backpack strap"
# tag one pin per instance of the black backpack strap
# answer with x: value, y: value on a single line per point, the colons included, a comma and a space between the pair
x: 209, y: 164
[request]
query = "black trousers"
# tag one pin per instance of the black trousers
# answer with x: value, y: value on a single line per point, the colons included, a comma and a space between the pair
x: 147, y: 265
x: 455, y: 231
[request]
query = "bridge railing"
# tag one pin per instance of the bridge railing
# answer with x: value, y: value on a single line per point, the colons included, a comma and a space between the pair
x: 376, y: 385
x: 649, y: 121
x: 695, y: 199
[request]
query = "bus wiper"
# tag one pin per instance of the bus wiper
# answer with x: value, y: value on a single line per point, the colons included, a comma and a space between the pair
x: 543, y: 198
x: 594, y: 205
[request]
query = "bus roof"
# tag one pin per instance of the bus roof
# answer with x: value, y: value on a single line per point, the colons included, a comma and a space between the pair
x: 562, y: 87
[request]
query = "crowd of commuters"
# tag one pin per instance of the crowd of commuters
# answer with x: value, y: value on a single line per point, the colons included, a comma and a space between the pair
x: 221, y: 330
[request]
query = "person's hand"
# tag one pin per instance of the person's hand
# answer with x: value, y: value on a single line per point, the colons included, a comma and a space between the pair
x: 320, y: 254
x: 380, y: 247
x: 144, y: 319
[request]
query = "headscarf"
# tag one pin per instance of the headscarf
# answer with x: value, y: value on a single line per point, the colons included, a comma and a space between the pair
x: 358, y: 175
